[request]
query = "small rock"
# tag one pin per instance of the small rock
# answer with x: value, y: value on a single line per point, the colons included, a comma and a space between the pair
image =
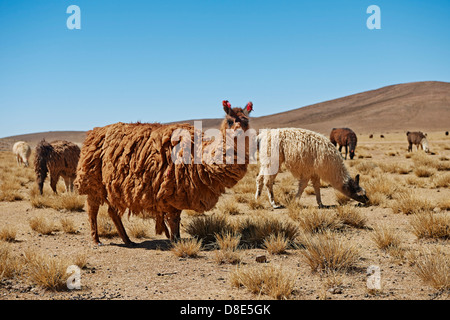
x: 335, y: 290
x: 261, y: 259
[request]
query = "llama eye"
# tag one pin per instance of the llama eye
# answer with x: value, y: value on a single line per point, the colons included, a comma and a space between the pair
x: 230, y: 122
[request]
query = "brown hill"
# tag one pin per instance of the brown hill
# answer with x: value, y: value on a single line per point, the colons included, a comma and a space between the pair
x: 410, y: 106
x: 33, y: 138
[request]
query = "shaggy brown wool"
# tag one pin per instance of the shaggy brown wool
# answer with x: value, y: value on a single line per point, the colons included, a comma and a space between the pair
x: 60, y: 159
x: 129, y: 166
x: 344, y: 137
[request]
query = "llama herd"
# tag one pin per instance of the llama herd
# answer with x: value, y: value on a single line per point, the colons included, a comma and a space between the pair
x: 130, y: 167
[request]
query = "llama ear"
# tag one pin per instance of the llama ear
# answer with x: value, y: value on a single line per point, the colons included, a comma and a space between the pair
x: 227, y: 107
x: 248, y: 108
x: 357, y: 179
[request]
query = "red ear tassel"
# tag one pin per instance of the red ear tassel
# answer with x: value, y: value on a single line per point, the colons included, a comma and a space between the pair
x: 249, y: 106
x: 226, y: 103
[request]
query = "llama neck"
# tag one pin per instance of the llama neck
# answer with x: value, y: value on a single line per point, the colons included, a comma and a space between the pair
x: 227, y: 147
x: 340, y: 178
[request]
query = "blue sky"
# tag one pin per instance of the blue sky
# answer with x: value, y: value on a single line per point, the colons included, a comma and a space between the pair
x: 176, y: 60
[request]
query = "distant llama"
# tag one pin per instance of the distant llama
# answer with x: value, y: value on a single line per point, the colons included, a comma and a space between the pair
x: 130, y: 168
x: 22, y: 151
x: 344, y: 137
x: 60, y: 159
x: 308, y: 156
x: 418, y: 139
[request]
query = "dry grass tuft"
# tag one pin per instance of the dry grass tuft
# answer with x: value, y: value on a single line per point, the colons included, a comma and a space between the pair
x: 444, y: 204
x: 9, y: 189
x: 46, y: 271
x: 256, y: 204
x: 421, y: 159
x: 228, y: 241
x: 351, y: 216
x: 10, y: 265
x: 43, y: 225
x: 325, y: 252
x: 138, y: 227
x: 68, y: 225
x: 276, y: 244
x: 381, y: 184
x: 272, y: 281
x: 430, y: 225
x: 206, y: 227
x: 409, y: 203
x: 65, y: 201
x: 229, y: 207
x: 187, y: 248
x: 254, y: 230
x: 424, y: 172
x: 434, y: 269
x: 366, y: 167
x: 313, y: 220
x: 385, y: 238
x: 442, y: 181
x: 228, y: 244
x: 8, y: 234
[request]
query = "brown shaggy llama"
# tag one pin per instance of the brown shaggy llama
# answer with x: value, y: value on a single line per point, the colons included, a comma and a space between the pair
x: 60, y: 159
x: 130, y: 166
x: 418, y: 139
x: 344, y: 137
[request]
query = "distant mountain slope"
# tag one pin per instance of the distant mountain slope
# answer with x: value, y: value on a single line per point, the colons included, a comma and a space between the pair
x: 410, y: 106
x: 34, y: 138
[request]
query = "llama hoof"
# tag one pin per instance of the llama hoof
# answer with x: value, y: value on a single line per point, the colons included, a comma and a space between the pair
x: 278, y: 206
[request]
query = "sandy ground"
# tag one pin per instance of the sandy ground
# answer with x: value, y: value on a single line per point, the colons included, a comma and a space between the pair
x: 151, y: 271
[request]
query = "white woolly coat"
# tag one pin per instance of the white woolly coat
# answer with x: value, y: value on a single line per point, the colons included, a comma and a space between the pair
x: 305, y: 154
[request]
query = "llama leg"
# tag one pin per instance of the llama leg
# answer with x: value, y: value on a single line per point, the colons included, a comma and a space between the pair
x: 268, y: 182
x: 54, y: 181
x: 173, y: 220
x: 92, y: 209
x: 67, y: 183
x: 160, y: 225
x: 346, y: 151
x: 119, y: 225
x: 259, y: 185
x: 316, y: 185
x: 302, y: 183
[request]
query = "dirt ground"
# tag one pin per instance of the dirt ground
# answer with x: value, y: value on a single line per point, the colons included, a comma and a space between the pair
x: 151, y: 271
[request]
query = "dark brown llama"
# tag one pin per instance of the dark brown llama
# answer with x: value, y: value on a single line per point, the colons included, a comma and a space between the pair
x: 344, y: 137
x: 60, y: 159
x: 130, y: 167
x: 418, y: 139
